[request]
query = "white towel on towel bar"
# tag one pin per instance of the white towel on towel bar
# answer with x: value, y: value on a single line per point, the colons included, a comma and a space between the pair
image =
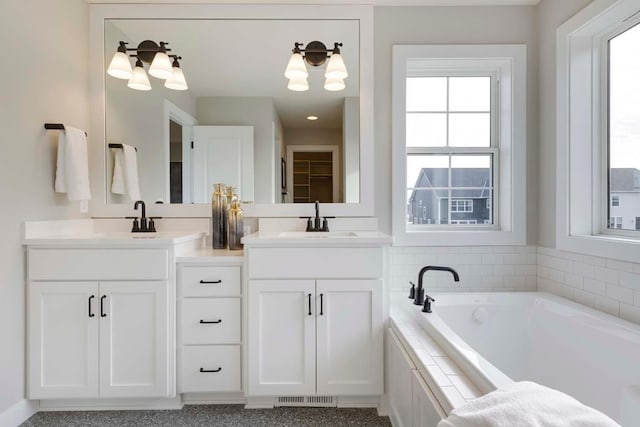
x: 72, y: 166
x: 125, y: 173
x: 526, y: 404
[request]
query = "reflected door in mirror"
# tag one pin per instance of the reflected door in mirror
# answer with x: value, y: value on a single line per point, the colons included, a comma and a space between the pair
x: 222, y: 154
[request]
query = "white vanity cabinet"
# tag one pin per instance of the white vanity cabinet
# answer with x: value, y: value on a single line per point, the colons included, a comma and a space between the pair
x: 209, y: 322
x: 315, y: 321
x: 97, y: 328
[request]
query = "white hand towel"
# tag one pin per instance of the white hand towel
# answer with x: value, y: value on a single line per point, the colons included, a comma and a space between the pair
x: 72, y: 165
x: 526, y: 404
x: 125, y: 173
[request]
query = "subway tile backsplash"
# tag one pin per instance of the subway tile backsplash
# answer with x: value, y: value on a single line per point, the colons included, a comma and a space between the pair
x: 481, y: 268
x: 605, y: 284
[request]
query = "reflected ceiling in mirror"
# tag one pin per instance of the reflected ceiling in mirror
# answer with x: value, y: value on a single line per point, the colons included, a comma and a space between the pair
x: 235, y: 73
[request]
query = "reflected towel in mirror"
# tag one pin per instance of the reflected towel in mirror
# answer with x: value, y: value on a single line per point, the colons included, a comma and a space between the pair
x: 125, y: 173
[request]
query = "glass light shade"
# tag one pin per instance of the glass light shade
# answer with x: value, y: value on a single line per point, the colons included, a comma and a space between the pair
x: 177, y: 81
x: 139, y: 81
x: 334, y: 85
x: 296, y: 69
x: 161, y: 66
x: 298, y: 85
x: 120, y: 67
x: 336, y: 68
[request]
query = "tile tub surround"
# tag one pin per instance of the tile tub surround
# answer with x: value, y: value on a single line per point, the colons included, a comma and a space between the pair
x: 213, y: 415
x: 605, y: 284
x: 481, y: 268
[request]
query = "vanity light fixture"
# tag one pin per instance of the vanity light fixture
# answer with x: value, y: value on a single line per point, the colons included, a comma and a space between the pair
x: 161, y: 66
x: 316, y: 54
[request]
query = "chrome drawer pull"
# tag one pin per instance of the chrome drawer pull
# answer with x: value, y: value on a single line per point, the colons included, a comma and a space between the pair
x: 210, y: 370
x: 206, y: 322
x: 215, y: 282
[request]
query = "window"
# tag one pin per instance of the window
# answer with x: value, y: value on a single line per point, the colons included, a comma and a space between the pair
x: 615, y: 222
x: 463, y: 221
x: 459, y: 134
x: 623, y: 124
x: 597, y: 123
x: 461, y: 205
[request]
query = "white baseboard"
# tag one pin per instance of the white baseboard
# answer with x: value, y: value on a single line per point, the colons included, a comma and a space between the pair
x: 358, y: 401
x: 18, y: 413
x: 214, y: 398
x: 110, y: 404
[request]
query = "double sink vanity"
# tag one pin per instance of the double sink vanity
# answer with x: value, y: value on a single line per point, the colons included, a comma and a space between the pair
x: 120, y: 319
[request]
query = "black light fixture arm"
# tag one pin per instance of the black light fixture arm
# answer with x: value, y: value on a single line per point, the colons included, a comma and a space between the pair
x: 316, y: 52
x: 146, y: 50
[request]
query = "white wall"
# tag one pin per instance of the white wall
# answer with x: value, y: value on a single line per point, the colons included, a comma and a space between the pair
x: 246, y: 111
x: 449, y: 25
x: 551, y: 13
x: 45, y: 78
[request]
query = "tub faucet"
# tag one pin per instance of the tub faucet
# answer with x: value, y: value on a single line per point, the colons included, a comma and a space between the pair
x: 419, y: 295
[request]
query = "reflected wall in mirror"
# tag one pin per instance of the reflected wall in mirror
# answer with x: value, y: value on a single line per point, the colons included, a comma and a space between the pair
x: 237, y: 120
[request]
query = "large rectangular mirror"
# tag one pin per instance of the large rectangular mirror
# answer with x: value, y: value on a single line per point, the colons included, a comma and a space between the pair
x: 238, y: 122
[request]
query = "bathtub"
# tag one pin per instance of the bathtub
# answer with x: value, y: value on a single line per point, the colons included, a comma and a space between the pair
x: 497, y: 338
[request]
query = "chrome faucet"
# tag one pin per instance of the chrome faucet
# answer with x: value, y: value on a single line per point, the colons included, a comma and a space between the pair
x: 419, y: 293
x: 313, y: 224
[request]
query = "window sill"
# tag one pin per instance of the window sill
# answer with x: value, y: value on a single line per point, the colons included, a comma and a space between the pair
x: 460, y: 238
x: 602, y: 245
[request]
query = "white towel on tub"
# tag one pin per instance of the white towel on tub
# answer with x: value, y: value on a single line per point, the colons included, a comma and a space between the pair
x: 125, y: 173
x: 72, y: 166
x: 526, y: 404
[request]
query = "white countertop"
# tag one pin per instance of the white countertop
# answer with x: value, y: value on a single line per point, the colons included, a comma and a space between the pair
x: 88, y: 239
x: 317, y: 239
x: 209, y: 255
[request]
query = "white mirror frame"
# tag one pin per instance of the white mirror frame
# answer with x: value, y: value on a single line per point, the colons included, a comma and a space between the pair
x: 100, y: 12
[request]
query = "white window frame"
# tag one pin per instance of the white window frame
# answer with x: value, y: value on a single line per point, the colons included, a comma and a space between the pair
x: 581, y: 126
x: 509, y: 62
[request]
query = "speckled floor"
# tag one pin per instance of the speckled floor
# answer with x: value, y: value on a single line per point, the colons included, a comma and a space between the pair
x: 213, y: 415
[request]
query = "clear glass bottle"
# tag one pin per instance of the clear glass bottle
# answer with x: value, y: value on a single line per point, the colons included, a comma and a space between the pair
x: 236, y: 225
x: 219, y: 217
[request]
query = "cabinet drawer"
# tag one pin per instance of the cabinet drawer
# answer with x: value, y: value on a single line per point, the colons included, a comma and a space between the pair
x: 315, y: 263
x: 206, y: 281
x: 98, y: 264
x: 223, y: 359
x: 225, y: 312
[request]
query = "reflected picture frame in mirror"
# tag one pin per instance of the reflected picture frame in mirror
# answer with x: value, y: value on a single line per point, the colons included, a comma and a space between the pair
x: 362, y: 15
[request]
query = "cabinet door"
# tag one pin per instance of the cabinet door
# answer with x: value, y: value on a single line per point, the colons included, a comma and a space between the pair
x: 282, y: 341
x: 400, y: 370
x: 63, y: 340
x: 350, y: 337
x: 133, y: 339
x: 426, y: 409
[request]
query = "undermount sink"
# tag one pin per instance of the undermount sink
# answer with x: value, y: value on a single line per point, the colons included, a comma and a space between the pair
x: 316, y: 235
